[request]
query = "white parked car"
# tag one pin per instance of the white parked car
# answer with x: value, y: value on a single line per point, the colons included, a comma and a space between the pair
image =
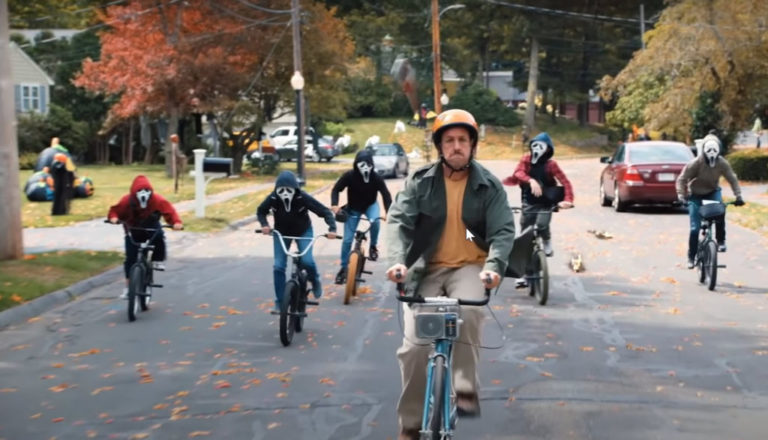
x: 282, y: 135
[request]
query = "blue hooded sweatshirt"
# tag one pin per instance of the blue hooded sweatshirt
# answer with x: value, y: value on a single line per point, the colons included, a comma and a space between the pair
x: 292, y: 215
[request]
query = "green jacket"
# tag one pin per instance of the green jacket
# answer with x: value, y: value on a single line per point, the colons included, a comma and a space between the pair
x: 416, y: 219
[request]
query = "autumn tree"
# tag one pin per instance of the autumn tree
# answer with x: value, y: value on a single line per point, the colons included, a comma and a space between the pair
x: 697, y: 48
x: 167, y: 58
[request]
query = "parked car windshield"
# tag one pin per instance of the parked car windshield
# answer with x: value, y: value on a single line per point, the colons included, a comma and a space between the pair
x: 660, y: 153
x: 385, y: 150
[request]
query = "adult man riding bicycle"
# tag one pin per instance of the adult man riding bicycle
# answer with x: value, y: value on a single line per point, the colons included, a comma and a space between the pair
x: 363, y: 185
x: 448, y: 230
x: 700, y: 180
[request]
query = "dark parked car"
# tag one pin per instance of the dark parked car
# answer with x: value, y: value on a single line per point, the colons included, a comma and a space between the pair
x: 642, y: 173
x: 325, y: 150
x: 390, y: 160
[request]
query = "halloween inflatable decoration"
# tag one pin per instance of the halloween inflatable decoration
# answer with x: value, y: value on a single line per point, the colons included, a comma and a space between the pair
x: 40, y: 185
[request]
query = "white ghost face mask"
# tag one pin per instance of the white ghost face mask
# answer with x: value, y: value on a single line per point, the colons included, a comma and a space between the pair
x: 285, y: 193
x: 538, y: 148
x: 143, y: 197
x: 365, y: 170
x: 711, y: 150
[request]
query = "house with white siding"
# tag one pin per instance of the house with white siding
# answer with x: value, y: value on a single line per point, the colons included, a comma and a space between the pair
x: 31, y: 85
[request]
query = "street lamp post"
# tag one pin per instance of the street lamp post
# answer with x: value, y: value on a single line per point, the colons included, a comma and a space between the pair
x: 436, y: 74
x: 297, y: 83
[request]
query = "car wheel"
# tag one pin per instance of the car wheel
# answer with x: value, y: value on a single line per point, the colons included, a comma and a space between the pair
x: 328, y: 159
x: 603, y: 198
x: 618, y: 204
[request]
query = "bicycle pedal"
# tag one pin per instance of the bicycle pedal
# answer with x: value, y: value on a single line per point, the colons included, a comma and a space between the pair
x: 312, y: 303
x: 367, y: 272
x: 274, y: 312
x: 156, y: 285
x: 360, y: 280
x: 721, y: 266
x: 157, y: 269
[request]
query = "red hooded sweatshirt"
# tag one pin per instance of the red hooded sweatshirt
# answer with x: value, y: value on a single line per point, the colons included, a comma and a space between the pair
x: 130, y: 212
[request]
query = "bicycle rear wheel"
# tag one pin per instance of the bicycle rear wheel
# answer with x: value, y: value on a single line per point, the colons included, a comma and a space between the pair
x: 539, y: 280
x: 436, y: 408
x: 301, y: 307
x: 712, y: 265
x: 287, y: 306
x: 353, y: 272
x: 135, y: 289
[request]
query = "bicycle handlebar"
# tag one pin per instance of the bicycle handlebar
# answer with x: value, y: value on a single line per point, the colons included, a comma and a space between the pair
x: 520, y: 209
x: 402, y: 297
x: 296, y: 254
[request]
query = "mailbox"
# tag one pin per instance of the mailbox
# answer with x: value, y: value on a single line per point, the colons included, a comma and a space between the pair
x: 218, y: 165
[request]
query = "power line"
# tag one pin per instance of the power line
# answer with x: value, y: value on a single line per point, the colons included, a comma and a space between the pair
x: 263, y: 9
x: 571, y: 14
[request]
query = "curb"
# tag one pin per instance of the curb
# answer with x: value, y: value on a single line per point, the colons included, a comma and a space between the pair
x: 37, y: 306
x: 42, y: 304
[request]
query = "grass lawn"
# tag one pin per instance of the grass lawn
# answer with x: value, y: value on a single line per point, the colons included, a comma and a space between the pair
x: 38, y: 274
x: 752, y: 216
x: 499, y: 142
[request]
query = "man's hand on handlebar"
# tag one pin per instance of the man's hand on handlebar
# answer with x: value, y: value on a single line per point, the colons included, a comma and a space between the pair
x: 114, y: 220
x: 266, y: 230
x: 565, y: 205
x: 493, y: 277
x: 330, y: 235
x: 397, y: 273
x: 178, y: 226
x: 335, y: 209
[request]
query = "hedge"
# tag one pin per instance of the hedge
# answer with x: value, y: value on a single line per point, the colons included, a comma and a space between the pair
x: 749, y: 164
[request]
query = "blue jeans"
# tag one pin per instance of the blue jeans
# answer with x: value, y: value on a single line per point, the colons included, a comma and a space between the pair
x: 307, y: 261
x: 694, y: 204
x: 350, y: 226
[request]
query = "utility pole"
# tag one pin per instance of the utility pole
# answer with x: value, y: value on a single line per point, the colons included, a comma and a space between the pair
x: 296, y: 21
x: 11, y: 245
x: 642, y: 25
x: 436, y: 56
x: 533, y: 84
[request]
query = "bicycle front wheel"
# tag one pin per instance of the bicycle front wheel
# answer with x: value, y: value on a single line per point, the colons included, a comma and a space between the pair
x: 703, y: 256
x: 301, y: 308
x: 712, y: 265
x: 539, y: 282
x: 437, y: 398
x: 135, y: 289
x: 287, y: 307
x: 144, y: 296
x: 353, y: 272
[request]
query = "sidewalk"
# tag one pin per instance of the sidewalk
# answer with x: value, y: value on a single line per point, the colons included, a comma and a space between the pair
x: 99, y: 236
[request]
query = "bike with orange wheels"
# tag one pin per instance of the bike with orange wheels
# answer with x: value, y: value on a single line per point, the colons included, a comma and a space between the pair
x: 357, y: 258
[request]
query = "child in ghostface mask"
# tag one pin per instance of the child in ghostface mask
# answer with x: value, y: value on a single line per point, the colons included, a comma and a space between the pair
x: 290, y: 207
x: 543, y: 185
x: 142, y: 208
x: 699, y: 181
x: 363, y: 186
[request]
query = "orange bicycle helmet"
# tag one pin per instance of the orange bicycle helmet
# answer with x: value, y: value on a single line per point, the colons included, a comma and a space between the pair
x: 454, y: 118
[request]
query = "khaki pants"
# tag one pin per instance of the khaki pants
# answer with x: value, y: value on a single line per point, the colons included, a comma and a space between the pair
x: 463, y: 282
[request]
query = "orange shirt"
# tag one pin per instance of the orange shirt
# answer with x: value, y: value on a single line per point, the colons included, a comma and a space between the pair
x: 454, y: 248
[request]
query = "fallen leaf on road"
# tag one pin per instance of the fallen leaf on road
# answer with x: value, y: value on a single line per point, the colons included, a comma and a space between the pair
x: 669, y: 280
x: 85, y: 353
x: 57, y: 419
x: 48, y: 376
x: 139, y: 436
x: 281, y: 395
x: 761, y: 352
x: 35, y: 416
x: 99, y: 390
x: 304, y: 406
x: 91, y: 433
x: 20, y: 347
x: 616, y: 293
x: 160, y: 406
x: 496, y: 381
x: 194, y: 434
x: 327, y: 381
x: 545, y: 374
x: 534, y: 359
x: 222, y: 384
x: 35, y: 319
x: 586, y: 348
x: 57, y: 365
x: 59, y: 388
x: 216, y: 325
x: 673, y: 311
x: 273, y: 425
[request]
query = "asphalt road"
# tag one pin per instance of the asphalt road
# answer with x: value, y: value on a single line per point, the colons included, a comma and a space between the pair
x: 632, y: 348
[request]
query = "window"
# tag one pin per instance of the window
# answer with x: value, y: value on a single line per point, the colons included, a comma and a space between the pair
x: 30, y: 98
x: 660, y: 153
x: 619, y: 158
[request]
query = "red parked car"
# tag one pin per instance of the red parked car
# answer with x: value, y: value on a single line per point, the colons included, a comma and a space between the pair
x: 642, y: 172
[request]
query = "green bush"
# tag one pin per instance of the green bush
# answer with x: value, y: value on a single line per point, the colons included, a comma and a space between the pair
x: 485, y: 106
x: 27, y: 161
x: 351, y: 148
x: 333, y: 129
x: 749, y: 164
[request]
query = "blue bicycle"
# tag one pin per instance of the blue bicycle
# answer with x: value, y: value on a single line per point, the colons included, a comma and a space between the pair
x: 439, y: 319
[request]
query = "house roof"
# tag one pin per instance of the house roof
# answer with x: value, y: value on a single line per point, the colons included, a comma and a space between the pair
x: 25, y: 69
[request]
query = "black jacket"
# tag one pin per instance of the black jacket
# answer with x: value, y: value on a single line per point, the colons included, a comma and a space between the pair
x: 361, y: 194
x: 295, y: 221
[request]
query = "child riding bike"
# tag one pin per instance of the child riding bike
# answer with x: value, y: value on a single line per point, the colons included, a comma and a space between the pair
x: 700, y: 180
x: 363, y: 185
x: 543, y: 185
x: 142, y: 208
x: 290, y: 208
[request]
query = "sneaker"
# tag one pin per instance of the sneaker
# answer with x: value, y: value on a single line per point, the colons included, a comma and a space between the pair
x: 158, y: 265
x: 548, y: 248
x: 276, y: 307
x: 124, y: 295
x: 373, y: 253
x: 317, y: 287
x: 721, y: 247
x: 690, y: 263
x: 341, y: 277
x: 521, y: 283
